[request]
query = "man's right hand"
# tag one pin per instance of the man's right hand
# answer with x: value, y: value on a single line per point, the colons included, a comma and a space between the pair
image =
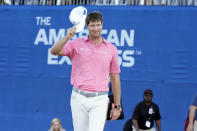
x: 71, y: 32
x: 57, y: 48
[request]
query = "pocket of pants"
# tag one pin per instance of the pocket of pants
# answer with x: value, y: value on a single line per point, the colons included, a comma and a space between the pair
x: 73, y: 95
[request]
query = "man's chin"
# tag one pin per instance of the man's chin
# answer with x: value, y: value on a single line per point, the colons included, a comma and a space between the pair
x: 96, y: 36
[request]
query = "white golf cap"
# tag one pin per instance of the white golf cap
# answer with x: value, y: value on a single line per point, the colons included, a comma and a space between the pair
x: 77, y: 17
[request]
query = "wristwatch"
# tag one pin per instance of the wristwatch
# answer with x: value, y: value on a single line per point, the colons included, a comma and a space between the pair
x: 118, y: 107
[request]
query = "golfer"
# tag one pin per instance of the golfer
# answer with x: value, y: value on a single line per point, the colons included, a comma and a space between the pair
x: 93, y: 60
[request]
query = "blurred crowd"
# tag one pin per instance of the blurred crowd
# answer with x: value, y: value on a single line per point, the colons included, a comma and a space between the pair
x: 101, y: 2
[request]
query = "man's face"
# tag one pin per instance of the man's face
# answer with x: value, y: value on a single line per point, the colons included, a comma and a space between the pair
x: 148, y: 97
x: 95, y: 28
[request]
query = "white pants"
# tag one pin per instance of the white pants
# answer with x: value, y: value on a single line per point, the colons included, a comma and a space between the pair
x: 152, y: 129
x: 89, y: 113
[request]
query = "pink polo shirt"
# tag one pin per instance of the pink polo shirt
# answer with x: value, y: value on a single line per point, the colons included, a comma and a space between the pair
x: 91, y: 64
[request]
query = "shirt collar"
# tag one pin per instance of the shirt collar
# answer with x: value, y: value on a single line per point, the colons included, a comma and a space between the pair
x: 147, y: 105
x: 104, y: 41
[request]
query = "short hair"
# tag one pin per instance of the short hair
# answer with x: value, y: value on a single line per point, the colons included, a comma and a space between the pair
x: 94, y: 16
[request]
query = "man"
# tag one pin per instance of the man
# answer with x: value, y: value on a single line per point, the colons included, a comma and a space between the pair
x: 145, y: 113
x: 93, y: 61
x: 192, y: 126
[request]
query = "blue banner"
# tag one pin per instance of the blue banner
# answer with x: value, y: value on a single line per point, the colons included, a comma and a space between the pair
x: 156, y: 47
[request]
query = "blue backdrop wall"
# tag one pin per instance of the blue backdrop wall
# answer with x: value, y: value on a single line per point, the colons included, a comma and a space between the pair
x: 157, y: 49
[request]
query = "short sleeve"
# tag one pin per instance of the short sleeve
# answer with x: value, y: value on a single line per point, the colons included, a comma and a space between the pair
x: 114, y: 66
x: 136, y: 113
x: 68, y: 49
x: 157, y: 113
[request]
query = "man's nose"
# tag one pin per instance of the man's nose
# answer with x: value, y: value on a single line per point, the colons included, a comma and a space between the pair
x: 95, y: 27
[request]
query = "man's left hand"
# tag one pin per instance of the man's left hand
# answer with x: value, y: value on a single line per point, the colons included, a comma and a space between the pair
x: 114, y: 114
